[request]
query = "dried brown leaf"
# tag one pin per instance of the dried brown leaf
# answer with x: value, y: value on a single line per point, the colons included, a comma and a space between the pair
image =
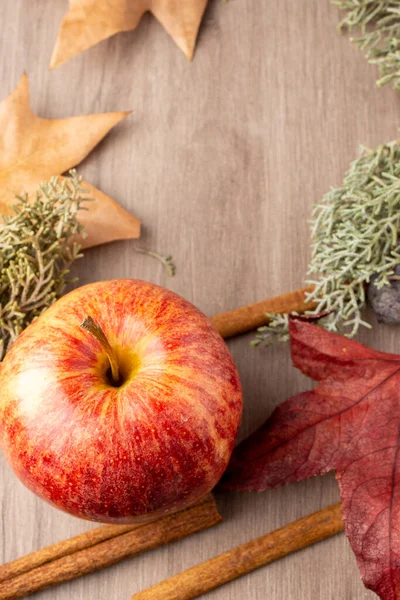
x: 33, y: 149
x: 88, y: 22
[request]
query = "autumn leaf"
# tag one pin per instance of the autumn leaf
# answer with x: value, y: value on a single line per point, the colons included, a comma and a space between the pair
x: 88, y: 22
x: 33, y: 149
x: 350, y: 423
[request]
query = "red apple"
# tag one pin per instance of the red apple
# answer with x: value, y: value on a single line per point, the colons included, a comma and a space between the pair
x: 148, y: 437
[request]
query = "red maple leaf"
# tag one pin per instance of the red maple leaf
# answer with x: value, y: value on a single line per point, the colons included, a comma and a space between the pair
x: 351, y: 423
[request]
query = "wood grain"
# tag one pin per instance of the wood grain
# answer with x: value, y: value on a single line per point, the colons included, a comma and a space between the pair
x: 222, y: 160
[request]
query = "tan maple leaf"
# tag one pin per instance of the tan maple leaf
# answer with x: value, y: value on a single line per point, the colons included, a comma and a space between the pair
x: 33, y: 149
x: 88, y: 22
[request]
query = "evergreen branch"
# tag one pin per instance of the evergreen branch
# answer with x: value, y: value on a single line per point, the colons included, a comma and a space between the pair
x: 166, y: 260
x: 36, y: 253
x: 355, y: 237
x: 378, y: 22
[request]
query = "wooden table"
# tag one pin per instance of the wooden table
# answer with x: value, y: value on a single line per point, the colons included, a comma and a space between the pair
x: 222, y: 160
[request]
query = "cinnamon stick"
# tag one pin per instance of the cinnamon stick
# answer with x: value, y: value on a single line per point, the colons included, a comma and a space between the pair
x: 60, y: 549
x: 247, y: 318
x: 246, y: 558
x: 143, y: 537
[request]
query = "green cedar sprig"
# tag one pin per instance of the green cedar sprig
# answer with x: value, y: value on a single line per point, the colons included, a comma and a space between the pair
x: 36, y: 252
x: 378, y: 22
x: 165, y: 259
x: 355, y: 235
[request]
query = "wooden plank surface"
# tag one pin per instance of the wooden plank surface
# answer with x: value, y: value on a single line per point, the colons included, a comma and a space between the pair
x: 222, y: 159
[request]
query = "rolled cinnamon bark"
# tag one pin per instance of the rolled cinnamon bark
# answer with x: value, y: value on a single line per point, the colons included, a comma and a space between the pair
x: 246, y: 558
x: 63, y: 548
x: 248, y: 318
x: 143, y: 537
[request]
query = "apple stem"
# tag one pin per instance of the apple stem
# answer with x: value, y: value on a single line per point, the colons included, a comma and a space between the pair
x: 96, y: 331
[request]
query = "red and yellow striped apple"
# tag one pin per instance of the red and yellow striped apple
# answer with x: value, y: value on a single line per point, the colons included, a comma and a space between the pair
x: 129, y: 417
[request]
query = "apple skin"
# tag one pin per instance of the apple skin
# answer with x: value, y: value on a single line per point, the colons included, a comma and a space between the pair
x: 152, y: 446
